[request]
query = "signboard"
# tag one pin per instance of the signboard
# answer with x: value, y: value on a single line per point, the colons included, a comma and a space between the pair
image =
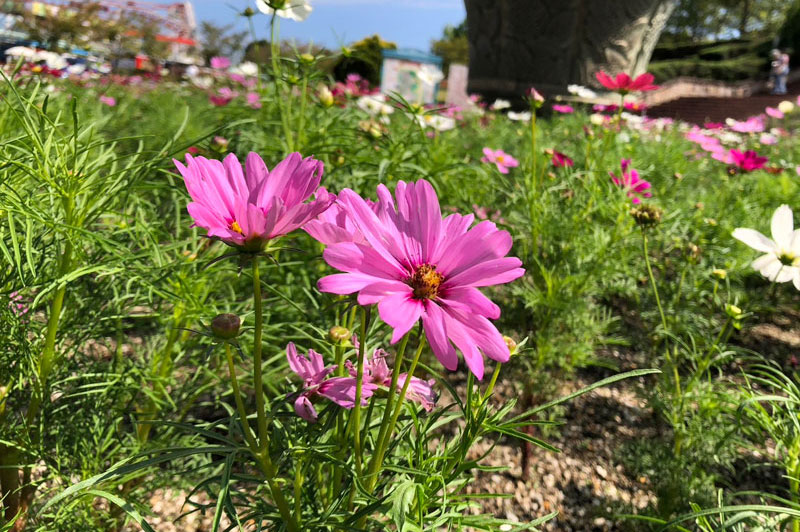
x: 412, y: 74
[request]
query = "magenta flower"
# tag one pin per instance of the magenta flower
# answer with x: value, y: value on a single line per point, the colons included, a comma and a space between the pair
x: 563, y: 109
x: 635, y: 187
x: 714, y: 125
x: 247, y: 209
x: 377, y: 372
x: 501, y: 159
x: 220, y: 63
x: 334, y: 225
x: 108, y: 100
x: 340, y: 390
x: 623, y: 83
x: 18, y: 307
x: 416, y: 265
x: 747, y: 161
x: 603, y: 108
x: 559, y: 159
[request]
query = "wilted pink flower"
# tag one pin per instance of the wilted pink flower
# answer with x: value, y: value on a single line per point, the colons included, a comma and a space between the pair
x: 564, y: 109
x: 559, y: 159
x: 499, y: 158
x: 223, y: 97
x: 254, y: 100
x: 416, y: 265
x: 248, y: 209
x: 623, y: 83
x: 377, y: 372
x: 535, y: 96
x: 340, y: 390
x: 108, y: 100
x: 635, y: 187
x: 220, y: 63
x: 747, y: 161
x: 603, y: 108
x: 773, y: 112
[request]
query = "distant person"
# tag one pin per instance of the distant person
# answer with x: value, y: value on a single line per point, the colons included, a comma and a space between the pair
x: 779, y: 71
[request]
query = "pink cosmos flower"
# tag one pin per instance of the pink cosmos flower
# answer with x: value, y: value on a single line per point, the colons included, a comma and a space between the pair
x: 714, y: 125
x: 634, y: 107
x: 768, y: 139
x: 623, y: 83
x: 501, y: 159
x: 535, y: 96
x: 377, y: 372
x: 603, y: 108
x: 220, y: 63
x: 247, y: 209
x: 340, y: 390
x: 416, y: 265
x: 563, y: 109
x: 635, y: 187
x: 223, y: 97
x: 108, y: 100
x: 254, y: 100
x: 754, y: 124
x: 773, y: 112
x: 19, y: 308
x: 334, y: 225
x: 747, y: 161
x: 559, y: 159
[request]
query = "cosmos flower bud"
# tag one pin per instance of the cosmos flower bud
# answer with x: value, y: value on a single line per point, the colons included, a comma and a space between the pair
x: 339, y: 334
x: 719, y: 273
x: 646, y: 215
x: 325, y: 96
x: 306, y: 58
x: 733, y: 311
x: 512, y: 345
x: 225, y: 326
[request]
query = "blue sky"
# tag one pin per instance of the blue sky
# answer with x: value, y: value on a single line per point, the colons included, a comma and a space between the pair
x: 409, y: 23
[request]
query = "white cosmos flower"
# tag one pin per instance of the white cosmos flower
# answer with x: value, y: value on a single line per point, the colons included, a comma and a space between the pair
x: 581, y: 92
x: 500, y: 104
x: 437, y: 122
x: 524, y: 116
x: 247, y: 69
x: 430, y: 74
x: 781, y: 263
x: 375, y: 105
x: 292, y: 9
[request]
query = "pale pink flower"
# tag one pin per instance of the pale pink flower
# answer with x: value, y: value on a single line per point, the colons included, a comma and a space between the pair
x: 768, y: 139
x: 247, y: 209
x: 499, y: 158
x: 416, y: 265
x: 108, y: 100
x: 774, y: 113
x: 754, y: 124
x: 635, y: 187
x: 334, y: 225
x: 254, y: 100
x: 340, y: 390
x: 377, y: 372
x: 220, y: 63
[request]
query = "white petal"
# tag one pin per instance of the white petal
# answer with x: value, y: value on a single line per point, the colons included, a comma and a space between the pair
x: 763, y: 262
x: 782, y: 227
x: 755, y: 240
x: 796, y: 279
x: 263, y: 7
x: 795, y: 247
x: 299, y: 10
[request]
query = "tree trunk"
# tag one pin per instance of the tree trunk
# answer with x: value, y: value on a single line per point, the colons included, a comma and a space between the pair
x: 548, y: 44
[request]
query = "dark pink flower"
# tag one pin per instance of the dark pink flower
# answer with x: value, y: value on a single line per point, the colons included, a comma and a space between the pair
x: 623, y: 83
x: 499, y: 158
x: 416, y: 265
x: 254, y: 100
x: 340, y: 390
x: 714, y: 125
x: 247, y: 209
x: 635, y: 187
x: 747, y: 161
x: 559, y: 159
x: 334, y: 225
x: 563, y: 109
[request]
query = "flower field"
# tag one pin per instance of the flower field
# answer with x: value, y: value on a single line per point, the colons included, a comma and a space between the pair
x: 298, y: 304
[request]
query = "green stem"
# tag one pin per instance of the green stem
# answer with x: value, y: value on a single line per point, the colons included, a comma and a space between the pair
x: 258, y: 378
x: 237, y: 397
x: 653, y: 281
x: 276, y: 75
x: 359, y: 384
x: 493, y: 381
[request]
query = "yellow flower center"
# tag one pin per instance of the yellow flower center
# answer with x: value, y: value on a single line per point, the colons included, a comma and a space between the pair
x: 425, y: 282
x: 499, y: 158
x: 236, y: 227
x: 788, y: 258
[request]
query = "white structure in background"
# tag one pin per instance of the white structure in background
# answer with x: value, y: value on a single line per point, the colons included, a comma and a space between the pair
x: 457, y: 86
x: 412, y: 74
